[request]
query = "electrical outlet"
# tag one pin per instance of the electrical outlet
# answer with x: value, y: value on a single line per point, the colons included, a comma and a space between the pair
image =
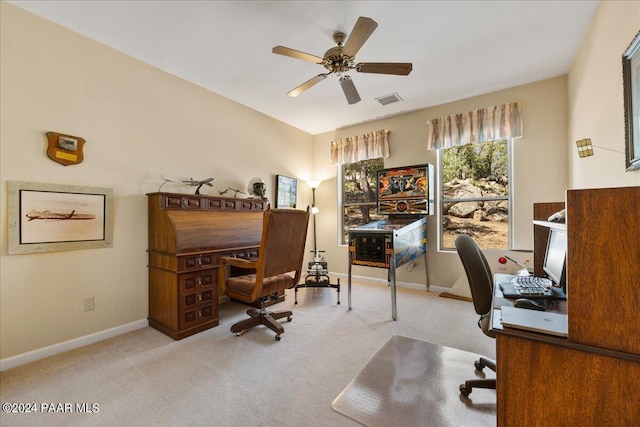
x: 89, y: 304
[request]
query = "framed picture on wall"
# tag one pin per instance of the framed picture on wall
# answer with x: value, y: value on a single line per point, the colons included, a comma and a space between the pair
x: 631, y: 83
x: 286, y: 192
x: 47, y: 217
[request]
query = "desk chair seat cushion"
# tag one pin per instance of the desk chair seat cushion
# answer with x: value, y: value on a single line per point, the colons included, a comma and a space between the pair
x: 242, y: 287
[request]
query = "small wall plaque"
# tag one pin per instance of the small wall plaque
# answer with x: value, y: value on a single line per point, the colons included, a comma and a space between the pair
x: 65, y: 149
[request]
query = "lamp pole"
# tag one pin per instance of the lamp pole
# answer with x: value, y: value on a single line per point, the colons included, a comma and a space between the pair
x: 313, y: 208
x: 313, y: 184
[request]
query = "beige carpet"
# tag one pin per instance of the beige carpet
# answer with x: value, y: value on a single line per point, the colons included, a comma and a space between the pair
x: 411, y: 382
x: 145, y: 378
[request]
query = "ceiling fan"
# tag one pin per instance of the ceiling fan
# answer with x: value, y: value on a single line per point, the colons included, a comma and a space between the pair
x: 340, y: 59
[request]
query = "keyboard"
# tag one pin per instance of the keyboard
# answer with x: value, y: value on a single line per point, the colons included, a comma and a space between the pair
x: 527, y: 286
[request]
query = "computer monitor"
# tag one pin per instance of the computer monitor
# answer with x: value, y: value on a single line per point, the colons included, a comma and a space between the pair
x: 555, y: 258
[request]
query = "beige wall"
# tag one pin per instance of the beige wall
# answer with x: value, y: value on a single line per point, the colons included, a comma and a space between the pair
x: 139, y: 122
x: 596, y: 98
x: 540, y: 165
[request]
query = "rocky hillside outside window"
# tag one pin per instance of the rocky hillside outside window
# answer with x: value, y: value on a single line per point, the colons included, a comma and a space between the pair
x: 475, y: 194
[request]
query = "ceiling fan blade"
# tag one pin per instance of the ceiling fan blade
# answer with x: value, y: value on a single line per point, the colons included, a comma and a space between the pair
x: 361, y: 31
x: 398, y: 68
x: 349, y: 90
x: 281, y: 50
x: 306, y: 85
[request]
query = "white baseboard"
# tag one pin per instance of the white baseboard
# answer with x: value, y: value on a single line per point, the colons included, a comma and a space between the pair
x: 419, y: 286
x: 41, y: 353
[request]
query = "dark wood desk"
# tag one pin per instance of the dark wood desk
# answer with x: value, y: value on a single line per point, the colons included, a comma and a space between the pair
x: 548, y: 380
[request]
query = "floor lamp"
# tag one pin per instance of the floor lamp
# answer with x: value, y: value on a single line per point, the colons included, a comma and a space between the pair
x: 317, y: 274
x: 313, y: 184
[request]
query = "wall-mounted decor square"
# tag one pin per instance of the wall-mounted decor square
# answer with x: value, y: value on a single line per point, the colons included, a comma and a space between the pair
x: 55, y: 217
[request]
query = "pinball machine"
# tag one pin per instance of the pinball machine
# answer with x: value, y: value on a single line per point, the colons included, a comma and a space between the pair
x: 405, y: 194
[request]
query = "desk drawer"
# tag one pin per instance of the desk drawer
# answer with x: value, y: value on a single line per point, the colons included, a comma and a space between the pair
x: 191, y: 300
x: 195, y: 261
x: 190, y: 318
x: 196, y: 281
x: 182, y: 202
x: 248, y: 254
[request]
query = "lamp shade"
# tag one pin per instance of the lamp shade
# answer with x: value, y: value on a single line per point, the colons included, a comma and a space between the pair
x: 313, y: 183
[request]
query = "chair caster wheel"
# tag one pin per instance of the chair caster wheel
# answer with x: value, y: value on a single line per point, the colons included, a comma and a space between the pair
x: 464, y: 390
x: 278, y: 337
x: 239, y: 333
x: 479, y: 366
x: 289, y: 318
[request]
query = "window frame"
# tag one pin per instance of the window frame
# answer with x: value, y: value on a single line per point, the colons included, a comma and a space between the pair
x: 341, y: 205
x: 509, y: 198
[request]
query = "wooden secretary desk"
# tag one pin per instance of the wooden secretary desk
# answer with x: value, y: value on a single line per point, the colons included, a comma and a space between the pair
x: 591, y: 377
x: 188, y: 233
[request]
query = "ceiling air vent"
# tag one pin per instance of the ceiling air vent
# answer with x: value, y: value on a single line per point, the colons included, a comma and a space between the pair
x: 389, y: 99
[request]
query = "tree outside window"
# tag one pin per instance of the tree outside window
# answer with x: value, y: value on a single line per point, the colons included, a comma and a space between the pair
x: 474, y: 194
x: 359, y: 194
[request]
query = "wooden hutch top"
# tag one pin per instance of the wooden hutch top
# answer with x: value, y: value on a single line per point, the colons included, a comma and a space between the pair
x: 184, y: 223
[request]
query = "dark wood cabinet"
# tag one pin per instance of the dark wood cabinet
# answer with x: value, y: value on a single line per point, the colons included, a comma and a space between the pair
x: 590, y: 377
x: 603, y: 268
x: 187, y: 236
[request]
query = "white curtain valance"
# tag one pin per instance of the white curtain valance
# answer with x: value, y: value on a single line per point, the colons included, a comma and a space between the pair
x: 363, y: 147
x: 487, y: 124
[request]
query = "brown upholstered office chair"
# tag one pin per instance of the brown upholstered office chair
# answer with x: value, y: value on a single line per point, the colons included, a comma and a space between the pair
x: 481, y: 283
x: 278, y: 267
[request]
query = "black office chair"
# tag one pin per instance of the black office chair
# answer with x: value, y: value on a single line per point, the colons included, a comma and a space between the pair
x: 481, y: 284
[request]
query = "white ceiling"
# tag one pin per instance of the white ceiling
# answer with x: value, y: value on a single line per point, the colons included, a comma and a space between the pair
x: 458, y: 48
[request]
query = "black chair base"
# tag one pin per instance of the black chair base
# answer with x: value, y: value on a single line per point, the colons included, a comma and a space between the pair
x: 469, y: 385
x: 483, y: 362
x: 262, y: 317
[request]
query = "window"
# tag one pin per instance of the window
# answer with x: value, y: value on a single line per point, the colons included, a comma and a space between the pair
x: 359, y: 194
x: 474, y: 194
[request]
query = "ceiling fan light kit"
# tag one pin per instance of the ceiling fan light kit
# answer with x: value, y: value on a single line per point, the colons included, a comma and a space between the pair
x: 340, y: 59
